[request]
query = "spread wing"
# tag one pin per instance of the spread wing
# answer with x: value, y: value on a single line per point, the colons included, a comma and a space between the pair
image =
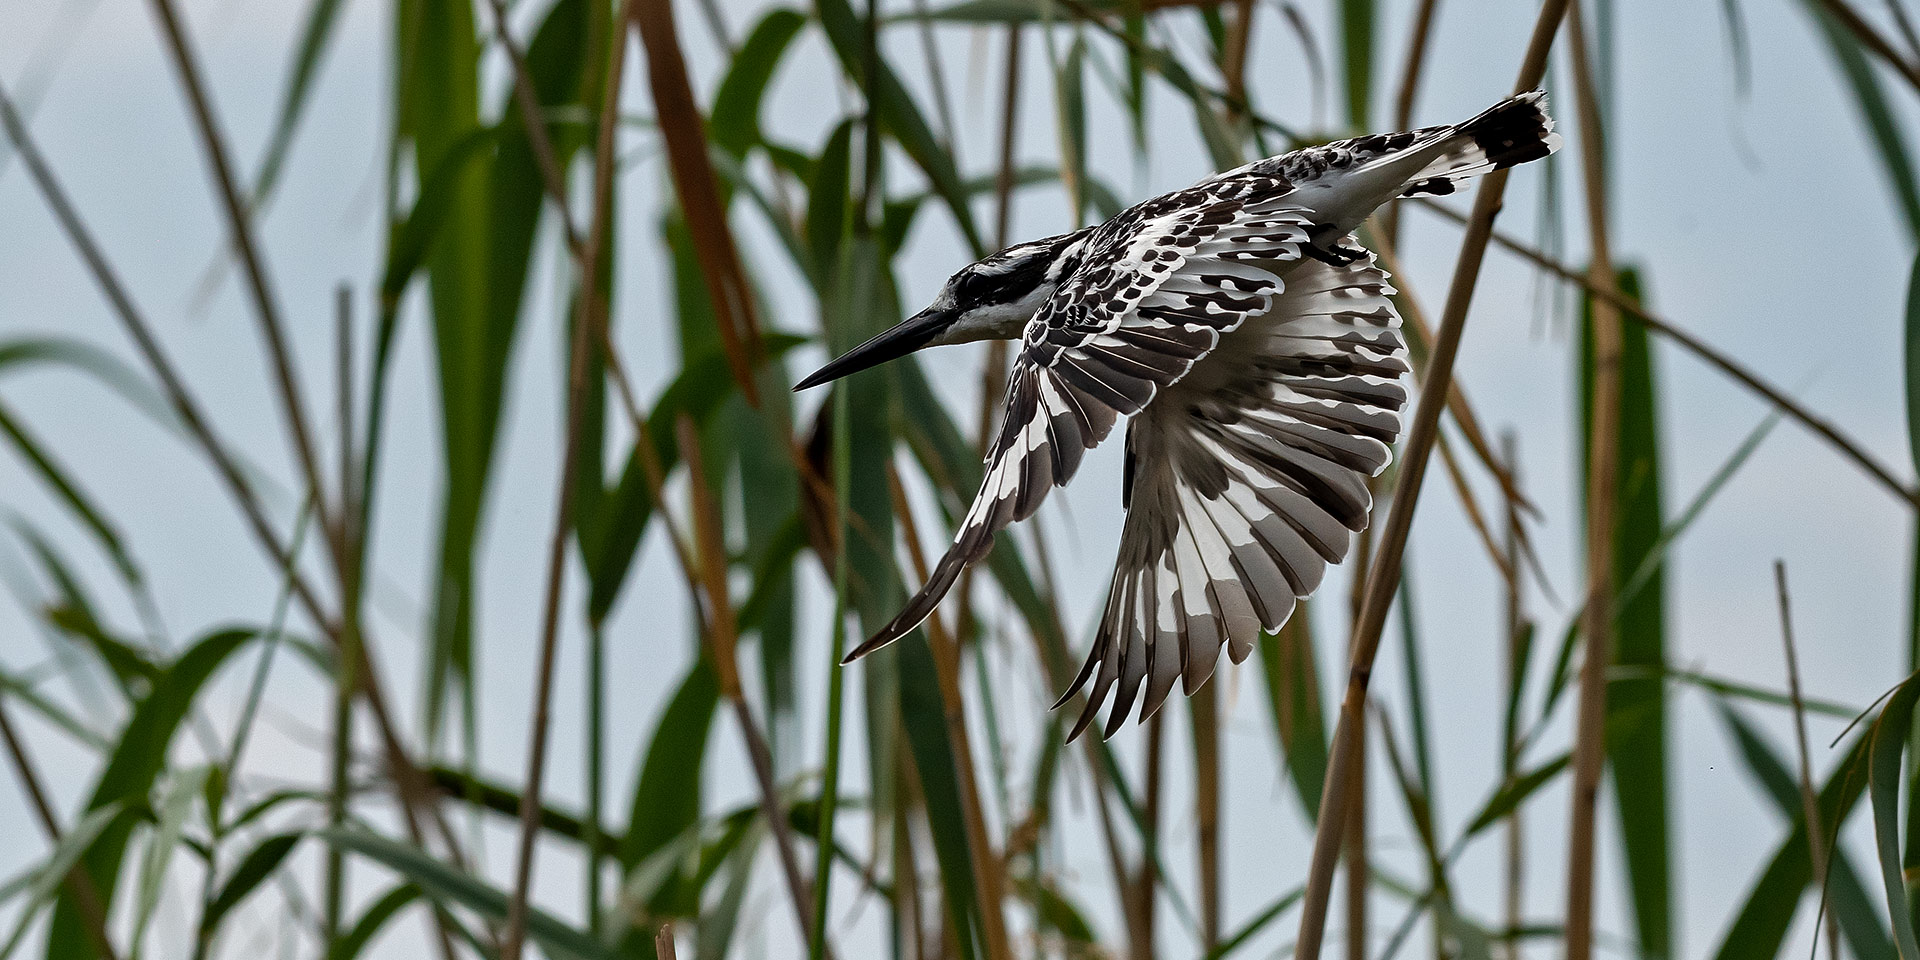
x: 1243, y: 483
x: 1155, y: 289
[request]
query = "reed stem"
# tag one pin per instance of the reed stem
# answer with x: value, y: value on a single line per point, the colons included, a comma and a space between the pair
x: 1384, y: 576
x: 1590, y: 740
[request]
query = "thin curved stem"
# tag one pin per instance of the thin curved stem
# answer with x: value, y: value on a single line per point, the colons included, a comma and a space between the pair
x: 1384, y: 577
x: 1632, y: 310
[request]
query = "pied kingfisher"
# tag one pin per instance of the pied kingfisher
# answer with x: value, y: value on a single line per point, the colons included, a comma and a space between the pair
x: 1252, y: 341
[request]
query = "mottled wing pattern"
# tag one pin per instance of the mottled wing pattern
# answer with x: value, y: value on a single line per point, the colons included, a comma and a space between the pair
x: 1311, y: 163
x: 1243, y: 483
x: 1153, y: 290
x: 1511, y: 132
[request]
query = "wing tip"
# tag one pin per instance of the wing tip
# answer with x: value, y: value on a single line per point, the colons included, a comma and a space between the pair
x: 918, y: 607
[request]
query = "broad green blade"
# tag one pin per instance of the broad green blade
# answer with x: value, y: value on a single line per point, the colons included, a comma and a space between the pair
x: 666, y: 798
x: 747, y: 442
x: 897, y: 111
x: 1651, y: 565
x: 1636, y: 708
x: 1511, y: 795
x: 372, y: 920
x: 923, y: 715
x: 1910, y: 331
x: 1847, y: 897
x: 702, y: 386
x: 272, y: 801
x: 1357, y: 43
x: 452, y: 887
x: 1253, y: 927
x: 477, y: 271
x: 1889, y: 737
x: 253, y: 870
x: 135, y: 764
x: 1759, y: 927
x: 1911, y: 337
x: 494, y: 798
x: 827, y: 208
x: 1071, y: 107
x: 440, y: 101
x: 1416, y: 692
x: 735, y: 123
x: 1744, y: 691
x: 73, y: 615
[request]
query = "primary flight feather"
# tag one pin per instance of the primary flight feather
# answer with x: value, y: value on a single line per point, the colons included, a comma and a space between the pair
x: 1252, y: 343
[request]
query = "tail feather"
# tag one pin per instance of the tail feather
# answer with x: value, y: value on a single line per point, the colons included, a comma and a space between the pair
x: 1513, y: 131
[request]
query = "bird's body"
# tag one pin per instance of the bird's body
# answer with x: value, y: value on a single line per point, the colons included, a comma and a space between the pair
x: 1255, y: 349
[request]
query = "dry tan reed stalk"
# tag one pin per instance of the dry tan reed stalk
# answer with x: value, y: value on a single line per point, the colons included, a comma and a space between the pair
x: 348, y: 633
x: 993, y: 384
x: 1414, y: 71
x: 587, y: 252
x: 1471, y: 506
x: 684, y: 131
x: 1410, y: 76
x: 350, y: 637
x: 1140, y: 883
x: 1357, y: 845
x: 1590, y: 740
x: 988, y: 868
x: 710, y: 548
x: 993, y: 370
x: 588, y: 333
x: 1204, y: 705
x: 1457, y: 405
x: 583, y: 343
x: 1384, y: 577
x: 1359, y: 876
x: 1233, y: 57
x: 240, y: 222
x: 1514, y: 879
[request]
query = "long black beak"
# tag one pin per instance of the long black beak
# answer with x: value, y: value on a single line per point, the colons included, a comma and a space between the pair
x: 893, y: 343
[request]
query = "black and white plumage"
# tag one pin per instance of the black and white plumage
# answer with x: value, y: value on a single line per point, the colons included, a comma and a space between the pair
x: 1253, y: 344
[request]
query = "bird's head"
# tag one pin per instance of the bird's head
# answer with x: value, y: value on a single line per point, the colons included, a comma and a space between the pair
x: 991, y: 298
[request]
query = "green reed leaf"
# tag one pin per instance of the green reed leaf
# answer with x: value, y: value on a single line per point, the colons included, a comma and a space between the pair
x: 138, y: 757
x: 453, y: 887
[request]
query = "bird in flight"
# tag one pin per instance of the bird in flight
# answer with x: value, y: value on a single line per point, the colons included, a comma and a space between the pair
x: 1250, y: 339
